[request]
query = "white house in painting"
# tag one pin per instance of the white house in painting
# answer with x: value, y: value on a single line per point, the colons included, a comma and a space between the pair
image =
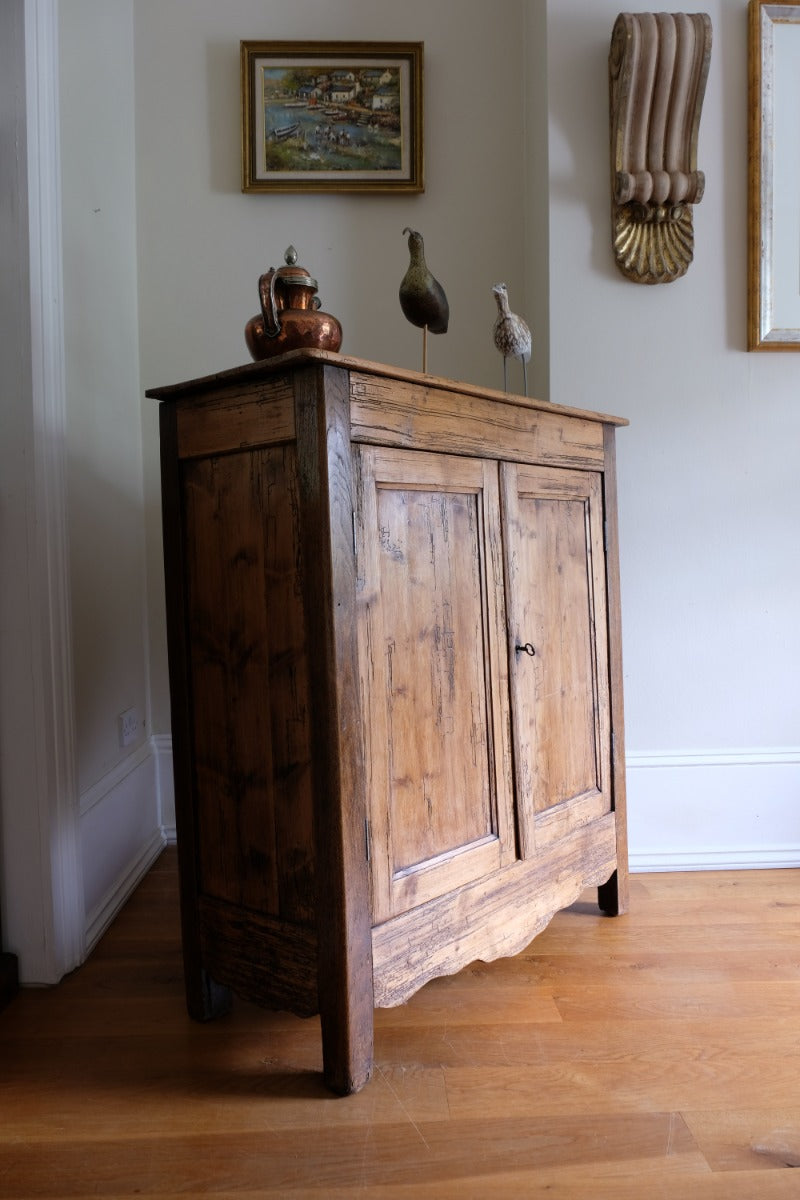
x: 385, y: 99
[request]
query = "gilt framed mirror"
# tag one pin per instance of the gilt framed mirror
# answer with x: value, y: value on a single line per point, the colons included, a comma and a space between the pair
x: 774, y: 176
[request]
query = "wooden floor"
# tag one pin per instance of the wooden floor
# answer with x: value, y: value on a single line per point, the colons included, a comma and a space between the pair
x: 648, y: 1056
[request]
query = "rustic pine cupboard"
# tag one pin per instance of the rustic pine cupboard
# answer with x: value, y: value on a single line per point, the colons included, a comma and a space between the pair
x: 394, y: 647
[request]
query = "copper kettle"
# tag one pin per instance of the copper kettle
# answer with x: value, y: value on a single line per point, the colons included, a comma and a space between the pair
x: 290, y: 317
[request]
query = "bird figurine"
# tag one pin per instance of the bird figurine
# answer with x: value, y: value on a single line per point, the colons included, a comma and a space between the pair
x: 512, y: 337
x: 422, y: 297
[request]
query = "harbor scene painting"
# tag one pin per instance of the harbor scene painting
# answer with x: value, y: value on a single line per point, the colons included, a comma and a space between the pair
x: 340, y: 120
x: 349, y: 120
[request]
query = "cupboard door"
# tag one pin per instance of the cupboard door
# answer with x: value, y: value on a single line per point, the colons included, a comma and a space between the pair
x: 558, y: 650
x: 432, y: 657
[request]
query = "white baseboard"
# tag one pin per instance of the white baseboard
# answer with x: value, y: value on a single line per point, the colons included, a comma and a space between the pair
x: 103, y: 913
x: 733, y: 859
x: 161, y: 744
x: 114, y: 778
x: 122, y: 830
x: 693, y: 810
x: 687, y: 811
x: 713, y: 810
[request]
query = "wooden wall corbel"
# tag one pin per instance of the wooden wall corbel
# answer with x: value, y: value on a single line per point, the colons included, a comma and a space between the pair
x: 658, y: 67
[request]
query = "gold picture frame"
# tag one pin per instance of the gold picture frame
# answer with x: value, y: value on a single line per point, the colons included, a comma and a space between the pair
x: 332, y: 116
x: 773, y: 289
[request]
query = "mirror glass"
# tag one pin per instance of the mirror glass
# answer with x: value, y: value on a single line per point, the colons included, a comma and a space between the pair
x: 774, y: 155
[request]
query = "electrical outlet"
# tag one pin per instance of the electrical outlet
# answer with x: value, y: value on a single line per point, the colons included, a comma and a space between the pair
x: 128, y: 723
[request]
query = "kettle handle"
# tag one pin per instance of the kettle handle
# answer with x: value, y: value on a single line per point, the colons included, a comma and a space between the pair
x: 269, y: 309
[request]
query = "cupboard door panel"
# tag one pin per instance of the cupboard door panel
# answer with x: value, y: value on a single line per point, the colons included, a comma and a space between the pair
x: 559, y: 694
x: 431, y: 644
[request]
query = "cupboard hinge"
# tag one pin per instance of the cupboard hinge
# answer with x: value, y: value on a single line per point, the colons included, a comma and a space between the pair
x: 367, y: 839
x: 605, y: 536
x: 355, y: 534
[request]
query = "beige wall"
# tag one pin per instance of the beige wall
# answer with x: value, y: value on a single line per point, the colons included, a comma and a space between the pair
x: 203, y: 244
x: 103, y: 401
x: 709, y: 504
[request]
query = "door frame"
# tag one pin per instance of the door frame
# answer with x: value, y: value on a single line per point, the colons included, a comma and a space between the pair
x: 42, y: 879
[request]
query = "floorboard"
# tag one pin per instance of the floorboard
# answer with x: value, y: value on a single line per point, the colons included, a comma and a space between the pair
x: 651, y: 1055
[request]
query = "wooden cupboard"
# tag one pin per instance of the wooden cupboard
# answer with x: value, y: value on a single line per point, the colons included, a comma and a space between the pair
x: 393, y: 626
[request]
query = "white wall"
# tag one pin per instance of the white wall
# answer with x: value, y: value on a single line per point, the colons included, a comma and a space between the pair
x: 119, y: 818
x: 104, y: 438
x: 708, y: 510
x: 42, y: 901
x: 80, y: 813
x: 709, y: 503
x: 536, y: 233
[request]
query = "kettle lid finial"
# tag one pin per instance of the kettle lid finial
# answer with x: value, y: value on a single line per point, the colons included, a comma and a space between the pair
x: 290, y: 257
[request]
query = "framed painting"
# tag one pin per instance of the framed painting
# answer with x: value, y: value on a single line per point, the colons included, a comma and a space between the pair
x: 332, y: 116
x: 773, y: 294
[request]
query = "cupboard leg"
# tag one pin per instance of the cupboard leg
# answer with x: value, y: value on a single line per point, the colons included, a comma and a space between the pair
x: 346, y: 1040
x: 9, y: 980
x: 612, y: 896
x: 205, y: 998
x: 607, y: 896
x: 344, y: 974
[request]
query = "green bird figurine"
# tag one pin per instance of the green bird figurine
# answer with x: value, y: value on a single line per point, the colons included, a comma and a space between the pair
x: 422, y: 297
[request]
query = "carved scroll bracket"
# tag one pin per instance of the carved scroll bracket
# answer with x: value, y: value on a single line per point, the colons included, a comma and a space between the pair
x: 657, y: 67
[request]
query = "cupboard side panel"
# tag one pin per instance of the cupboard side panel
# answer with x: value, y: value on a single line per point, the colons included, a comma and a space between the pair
x: 232, y: 418
x: 204, y: 998
x: 249, y: 683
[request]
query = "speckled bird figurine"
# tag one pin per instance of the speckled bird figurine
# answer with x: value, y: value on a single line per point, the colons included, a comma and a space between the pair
x: 422, y: 297
x: 512, y: 337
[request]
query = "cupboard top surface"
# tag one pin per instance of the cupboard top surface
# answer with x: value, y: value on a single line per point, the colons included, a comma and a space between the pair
x: 252, y: 373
